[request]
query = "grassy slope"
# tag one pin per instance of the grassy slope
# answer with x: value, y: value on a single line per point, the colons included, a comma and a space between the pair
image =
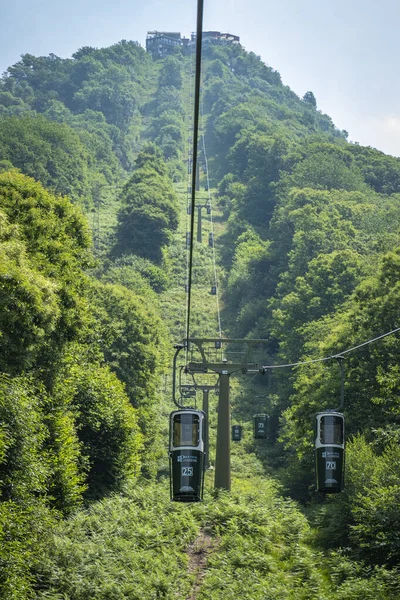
x: 250, y: 544
x: 136, y: 546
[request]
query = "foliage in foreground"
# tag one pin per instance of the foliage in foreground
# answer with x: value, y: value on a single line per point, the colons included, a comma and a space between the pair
x: 128, y: 546
x: 137, y: 546
x: 68, y: 430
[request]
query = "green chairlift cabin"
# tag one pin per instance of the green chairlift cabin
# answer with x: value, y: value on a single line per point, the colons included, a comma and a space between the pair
x: 236, y: 433
x: 329, y: 451
x: 261, y: 427
x: 187, y: 455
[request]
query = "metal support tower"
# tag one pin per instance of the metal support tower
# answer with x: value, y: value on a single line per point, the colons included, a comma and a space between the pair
x: 206, y: 390
x: 224, y: 370
x: 223, y: 449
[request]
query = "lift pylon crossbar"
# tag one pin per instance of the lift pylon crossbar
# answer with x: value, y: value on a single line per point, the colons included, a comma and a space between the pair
x: 222, y: 368
x: 198, y: 341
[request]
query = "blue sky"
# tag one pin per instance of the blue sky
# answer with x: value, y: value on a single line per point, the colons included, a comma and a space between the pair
x: 345, y: 51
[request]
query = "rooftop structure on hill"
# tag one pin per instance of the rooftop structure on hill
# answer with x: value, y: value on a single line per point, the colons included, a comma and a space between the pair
x: 162, y: 43
x: 218, y: 36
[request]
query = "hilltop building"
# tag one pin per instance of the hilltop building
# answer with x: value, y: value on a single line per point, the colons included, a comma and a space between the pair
x: 209, y: 36
x: 162, y: 43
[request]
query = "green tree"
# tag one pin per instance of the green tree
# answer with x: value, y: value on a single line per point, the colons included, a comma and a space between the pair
x: 310, y: 100
x: 149, y: 213
x: 132, y: 338
x: 106, y: 426
x: 112, y: 93
x: 29, y: 306
x: 327, y: 167
x: 50, y: 152
x: 43, y: 283
x: 171, y: 73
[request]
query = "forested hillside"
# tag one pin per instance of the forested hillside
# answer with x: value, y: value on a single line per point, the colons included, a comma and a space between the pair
x: 304, y: 252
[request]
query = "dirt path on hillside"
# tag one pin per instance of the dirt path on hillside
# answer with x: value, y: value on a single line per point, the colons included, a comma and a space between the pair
x: 198, y: 553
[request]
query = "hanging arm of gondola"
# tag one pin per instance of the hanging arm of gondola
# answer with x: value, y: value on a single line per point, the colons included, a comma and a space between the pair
x: 178, y: 348
x: 340, y: 360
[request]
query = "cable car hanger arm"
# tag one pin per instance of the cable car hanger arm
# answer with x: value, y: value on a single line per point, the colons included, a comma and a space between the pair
x: 340, y: 360
x: 178, y: 348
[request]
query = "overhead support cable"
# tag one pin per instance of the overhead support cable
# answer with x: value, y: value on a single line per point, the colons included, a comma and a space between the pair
x: 339, y: 355
x: 212, y: 226
x: 188, y: 197
x: 199, y: 35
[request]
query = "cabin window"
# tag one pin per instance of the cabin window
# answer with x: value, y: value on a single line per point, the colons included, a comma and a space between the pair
x: 331, y: 430
x: 186, y: 430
